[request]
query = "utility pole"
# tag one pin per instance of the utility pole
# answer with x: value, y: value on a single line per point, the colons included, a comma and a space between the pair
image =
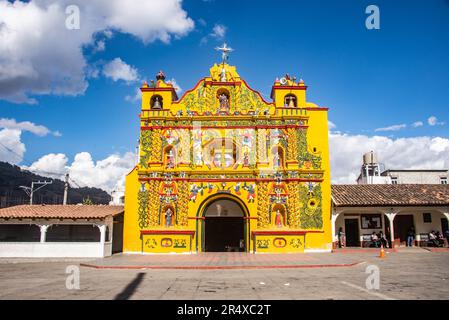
x: 30, y: 191
x: 66, y: 189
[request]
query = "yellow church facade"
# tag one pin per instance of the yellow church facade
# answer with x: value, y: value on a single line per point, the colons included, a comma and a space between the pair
x: 221, y: 169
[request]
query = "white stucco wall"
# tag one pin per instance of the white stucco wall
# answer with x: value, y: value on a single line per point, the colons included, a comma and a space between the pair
x: 418, y: 177
x: 55, y: 249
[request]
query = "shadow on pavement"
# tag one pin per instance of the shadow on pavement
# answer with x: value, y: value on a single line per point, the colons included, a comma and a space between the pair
x: 130, y: 288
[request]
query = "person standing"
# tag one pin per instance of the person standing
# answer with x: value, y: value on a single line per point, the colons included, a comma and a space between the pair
x: 410, y: 236
x: 383, y: 239
x: 374, y: 240
x: 447, y: 236
x: 340, y: 237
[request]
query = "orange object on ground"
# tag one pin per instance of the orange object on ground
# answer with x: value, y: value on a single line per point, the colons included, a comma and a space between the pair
x: 382, y: 251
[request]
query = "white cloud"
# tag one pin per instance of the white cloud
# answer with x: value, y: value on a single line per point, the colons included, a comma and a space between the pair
x: 331, y: 125
x: 51, y: 165
x: 11, y: 147
x: 134, y: 98
x: 100, y: 46
x: 395, y: 127
x: 433, y: 121
x: 417, y: 124
x: 175, y: 85
x: 402, y: 153
x: 107, y: 174
x: 117, y: 69
x: 40, y: 56
x: 38, y: 130
x: 218, y: 33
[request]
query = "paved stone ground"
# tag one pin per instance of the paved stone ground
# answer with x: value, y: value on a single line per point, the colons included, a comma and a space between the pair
x: 223, y: 260
x: 413, y: 274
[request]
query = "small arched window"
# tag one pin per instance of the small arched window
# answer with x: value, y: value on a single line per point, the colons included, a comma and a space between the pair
x: 290, y: 101
x: 156, y: 102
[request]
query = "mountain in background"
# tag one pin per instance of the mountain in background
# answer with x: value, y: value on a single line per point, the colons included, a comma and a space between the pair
x: 11, y: 177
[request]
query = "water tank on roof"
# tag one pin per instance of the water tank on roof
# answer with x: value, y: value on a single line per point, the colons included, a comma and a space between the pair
x: 369, y: 158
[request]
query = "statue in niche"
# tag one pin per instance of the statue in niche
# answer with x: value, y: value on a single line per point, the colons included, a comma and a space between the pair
x: 224, y: 102
x: 245, y: 159
x: 168, y: 218
x: 170, y: 159
x: 157, y: 104
x: 276, y: 160
x: 223, y: 75
x: 278, y: 219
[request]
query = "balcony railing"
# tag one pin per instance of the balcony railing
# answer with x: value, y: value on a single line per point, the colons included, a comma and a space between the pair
x: 154, y: 113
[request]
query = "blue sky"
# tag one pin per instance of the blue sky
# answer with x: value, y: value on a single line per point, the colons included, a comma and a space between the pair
x: 369, y: 79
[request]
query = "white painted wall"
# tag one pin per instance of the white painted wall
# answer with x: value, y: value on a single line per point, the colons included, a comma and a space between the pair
x: 418, y: 177
x: 55, y: 249
x: 422, y: 227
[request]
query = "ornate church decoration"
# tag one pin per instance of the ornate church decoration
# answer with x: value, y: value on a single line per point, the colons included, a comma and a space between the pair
x: 293, y: 204
x: 310, y: 211
x: 168, y: 191
x: 278, y: 192
x: 223, y: 144
x: 154, y: 204
x: 306, y: 158
x: 156, y: 146
x: 183, y: 203
x: 143, y: 201
x: 263, y: 213
x: 145, y: 143
x: 251, y: 191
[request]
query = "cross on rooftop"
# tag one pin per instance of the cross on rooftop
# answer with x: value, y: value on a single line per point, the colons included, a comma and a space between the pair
x: 225, y: 52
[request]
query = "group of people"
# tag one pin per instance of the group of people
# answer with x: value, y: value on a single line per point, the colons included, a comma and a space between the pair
x: 378, y: 240
x: 436, y: 239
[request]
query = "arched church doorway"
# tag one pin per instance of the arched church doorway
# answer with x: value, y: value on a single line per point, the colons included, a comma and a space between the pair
x: 224, y: 226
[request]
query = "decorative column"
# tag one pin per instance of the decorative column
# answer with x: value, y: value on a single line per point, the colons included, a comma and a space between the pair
x: 102, y: 228
x: 293, y: 204
x: 263, y: 214
x: 111, y: 230
x: 292, y: 147
x: 262, y: 146
x: 334, y: 217
x: 156, y: 146
x: 44, y: 228
x: 390, y: 217
x: 446, y: 214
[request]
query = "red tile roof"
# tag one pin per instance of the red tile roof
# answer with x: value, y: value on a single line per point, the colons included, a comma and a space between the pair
x: 371, y: 195
x: 60, y: 211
